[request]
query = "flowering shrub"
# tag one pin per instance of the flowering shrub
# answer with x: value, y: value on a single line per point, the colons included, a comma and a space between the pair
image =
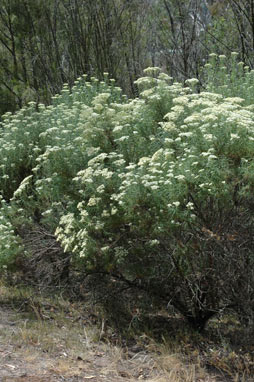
x: 156, y: 191
x: 230, y: 78
x: 10, y: 244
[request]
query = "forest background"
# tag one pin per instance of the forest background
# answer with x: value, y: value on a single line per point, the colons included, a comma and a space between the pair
x: 47, y: 43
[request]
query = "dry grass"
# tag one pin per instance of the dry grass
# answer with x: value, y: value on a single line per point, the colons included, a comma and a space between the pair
x: 61, y: 338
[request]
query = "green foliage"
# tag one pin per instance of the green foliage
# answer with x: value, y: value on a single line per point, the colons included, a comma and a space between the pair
x: 229, y: 77
x: 156, y: 191
x: 10, y: 244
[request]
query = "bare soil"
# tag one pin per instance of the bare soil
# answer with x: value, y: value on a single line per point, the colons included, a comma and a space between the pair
x: 39, y: 344
x: 24, y: 359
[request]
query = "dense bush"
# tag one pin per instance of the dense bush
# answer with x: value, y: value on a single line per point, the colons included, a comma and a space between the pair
x: 156, y: 192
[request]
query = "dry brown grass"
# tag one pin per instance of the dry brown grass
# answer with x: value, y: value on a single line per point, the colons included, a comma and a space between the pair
x: 53, y: 336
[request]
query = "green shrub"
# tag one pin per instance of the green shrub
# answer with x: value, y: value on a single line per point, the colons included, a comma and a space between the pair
x: 10, y: 245
x: 156, y: 192
x: 229, y: 77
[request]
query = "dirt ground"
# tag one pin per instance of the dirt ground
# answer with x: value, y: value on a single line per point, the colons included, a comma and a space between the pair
x: 64, y: 349
x: 23, y: 359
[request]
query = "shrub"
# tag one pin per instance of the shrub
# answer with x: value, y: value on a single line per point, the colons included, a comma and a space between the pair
x: 229, y: 77
x: 10, y: 244
x: 156, y: 192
